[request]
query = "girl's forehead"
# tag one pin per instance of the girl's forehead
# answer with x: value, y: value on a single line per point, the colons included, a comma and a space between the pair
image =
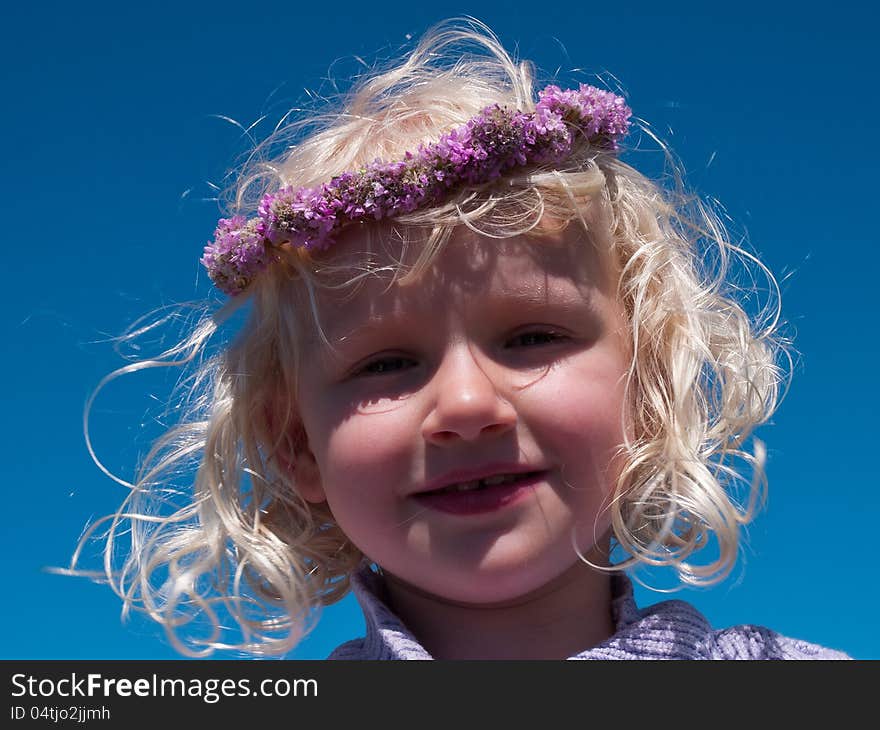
x: 471, y: 272
x: 468, y: 261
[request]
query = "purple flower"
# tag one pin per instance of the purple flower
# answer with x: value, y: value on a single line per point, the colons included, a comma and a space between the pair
x: 490, y: 144
x: 237, y: 253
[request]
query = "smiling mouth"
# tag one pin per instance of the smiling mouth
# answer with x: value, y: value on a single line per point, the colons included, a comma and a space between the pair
x: 482, y: 496
x: 475, y: 485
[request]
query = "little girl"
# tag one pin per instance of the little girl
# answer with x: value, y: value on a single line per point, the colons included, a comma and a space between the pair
x: 482, y: 356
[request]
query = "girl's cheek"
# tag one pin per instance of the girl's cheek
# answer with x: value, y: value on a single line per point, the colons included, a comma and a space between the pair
x: 368, y: 442
x: 578, y: 408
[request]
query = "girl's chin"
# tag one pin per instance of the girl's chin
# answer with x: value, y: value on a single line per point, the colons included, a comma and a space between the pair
x: 487, y: 586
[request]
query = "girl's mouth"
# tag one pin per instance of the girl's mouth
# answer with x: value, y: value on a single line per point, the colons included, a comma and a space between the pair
x: 479, y: 496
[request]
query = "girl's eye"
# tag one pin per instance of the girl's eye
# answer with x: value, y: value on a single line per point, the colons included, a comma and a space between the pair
x: 394, y: 364
x: 386, y: 365
x: 535, y: 338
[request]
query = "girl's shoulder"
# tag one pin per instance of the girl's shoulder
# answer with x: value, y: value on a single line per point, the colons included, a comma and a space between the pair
x: 676, y: 629
x: 759, y: 642
x: 691, y: 633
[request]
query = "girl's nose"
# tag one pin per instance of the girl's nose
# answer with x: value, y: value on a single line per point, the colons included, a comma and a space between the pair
x: 467, y: 402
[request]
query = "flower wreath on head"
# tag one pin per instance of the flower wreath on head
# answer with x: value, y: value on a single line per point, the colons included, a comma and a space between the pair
x: 479, y: 151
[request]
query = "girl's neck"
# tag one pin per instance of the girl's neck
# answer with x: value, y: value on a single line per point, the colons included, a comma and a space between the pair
x: 569, y: 615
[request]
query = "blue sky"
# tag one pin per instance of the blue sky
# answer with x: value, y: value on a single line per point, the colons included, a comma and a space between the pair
x: 112, y: 129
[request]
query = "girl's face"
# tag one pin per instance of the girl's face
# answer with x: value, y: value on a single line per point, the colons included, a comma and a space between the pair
x: 505, y: 362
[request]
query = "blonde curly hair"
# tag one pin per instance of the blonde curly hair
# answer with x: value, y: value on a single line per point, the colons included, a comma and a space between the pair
x: 703, y: 373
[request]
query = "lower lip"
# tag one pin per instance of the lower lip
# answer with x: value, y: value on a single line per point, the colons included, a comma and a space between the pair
x: 481, y: 501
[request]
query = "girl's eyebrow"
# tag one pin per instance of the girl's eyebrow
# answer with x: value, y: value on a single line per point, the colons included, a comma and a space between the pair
x: 352, y: 335
x: 344, y: 335
x: 345, y: 325
x: 559, y: 298
x: 561, y: 301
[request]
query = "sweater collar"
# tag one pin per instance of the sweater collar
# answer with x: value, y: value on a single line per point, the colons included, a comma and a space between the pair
x: 672, y: 629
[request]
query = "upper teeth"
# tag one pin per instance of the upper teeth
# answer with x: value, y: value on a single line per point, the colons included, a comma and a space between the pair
x: 476, y: 483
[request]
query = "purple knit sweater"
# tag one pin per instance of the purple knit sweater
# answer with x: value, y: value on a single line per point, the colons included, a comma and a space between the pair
x: 667, y: 630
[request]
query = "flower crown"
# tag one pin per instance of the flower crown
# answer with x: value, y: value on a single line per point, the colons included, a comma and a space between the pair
x: 496, y: 140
